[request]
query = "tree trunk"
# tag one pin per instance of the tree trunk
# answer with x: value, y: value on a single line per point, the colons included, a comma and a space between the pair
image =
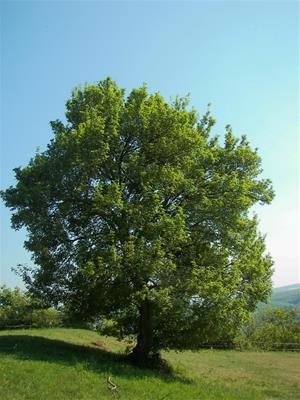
x: 141, y: 352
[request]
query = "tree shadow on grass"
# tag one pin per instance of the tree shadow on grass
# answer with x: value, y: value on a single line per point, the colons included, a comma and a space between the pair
x: 38, y: 348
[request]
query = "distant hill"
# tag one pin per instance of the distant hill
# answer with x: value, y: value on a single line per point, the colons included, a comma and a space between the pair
x: 285, y: 296
x: 287, y: 288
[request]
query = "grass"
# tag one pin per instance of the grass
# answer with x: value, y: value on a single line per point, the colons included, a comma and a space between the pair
x: 60, y: 364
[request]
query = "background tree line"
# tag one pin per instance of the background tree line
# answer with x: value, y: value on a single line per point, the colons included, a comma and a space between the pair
x: 18, y: 309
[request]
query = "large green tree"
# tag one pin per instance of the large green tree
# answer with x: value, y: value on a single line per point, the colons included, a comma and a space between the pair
x: 135, y: 212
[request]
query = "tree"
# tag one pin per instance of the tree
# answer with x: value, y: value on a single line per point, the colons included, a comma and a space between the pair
x: 135, y: 213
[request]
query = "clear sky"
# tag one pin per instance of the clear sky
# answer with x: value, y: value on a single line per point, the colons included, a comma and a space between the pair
x: 240, y: 56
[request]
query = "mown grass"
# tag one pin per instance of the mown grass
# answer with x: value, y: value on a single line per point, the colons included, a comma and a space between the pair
x: 63, y: 364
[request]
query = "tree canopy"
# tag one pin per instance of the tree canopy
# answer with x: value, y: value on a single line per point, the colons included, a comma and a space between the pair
x: 136, y: 212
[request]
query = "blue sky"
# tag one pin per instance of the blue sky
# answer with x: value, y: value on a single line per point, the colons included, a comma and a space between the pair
x: 240, y: 56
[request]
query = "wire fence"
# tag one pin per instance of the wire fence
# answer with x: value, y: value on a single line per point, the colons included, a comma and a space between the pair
x: 12, y: 327
x: 254, y: 345
x: 21, y: 324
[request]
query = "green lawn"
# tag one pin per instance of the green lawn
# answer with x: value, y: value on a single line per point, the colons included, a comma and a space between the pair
x: 63, y: 364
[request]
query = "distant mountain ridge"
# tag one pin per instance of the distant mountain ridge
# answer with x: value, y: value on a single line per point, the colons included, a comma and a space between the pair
x: 285, y: 296
x: 286, y: 288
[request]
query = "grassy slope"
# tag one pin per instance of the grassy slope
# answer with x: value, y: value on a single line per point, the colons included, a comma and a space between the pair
x: 63, y: 364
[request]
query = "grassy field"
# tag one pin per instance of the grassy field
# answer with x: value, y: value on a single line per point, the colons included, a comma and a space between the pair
x: 65, y: 364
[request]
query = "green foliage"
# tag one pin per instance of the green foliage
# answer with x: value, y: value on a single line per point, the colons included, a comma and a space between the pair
x: 46, y: 317
x: 272, y: 329
x: 108, y: 327
x: 19, y: 308
x: 14, y: 305
x: 134, y: 206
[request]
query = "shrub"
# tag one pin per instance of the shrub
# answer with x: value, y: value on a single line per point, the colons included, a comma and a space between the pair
x: 18, y: 309
x: 48, y: 317
x: 271, y: 329
x: 108, y: 327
